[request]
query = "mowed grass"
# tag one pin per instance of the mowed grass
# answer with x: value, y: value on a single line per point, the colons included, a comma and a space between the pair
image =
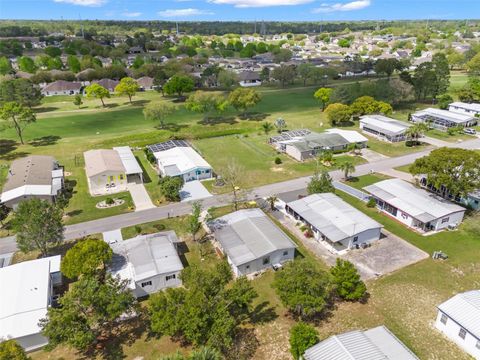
x: 361, y: 181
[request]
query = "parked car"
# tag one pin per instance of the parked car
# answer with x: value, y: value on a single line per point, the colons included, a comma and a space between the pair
x: 470, y: 131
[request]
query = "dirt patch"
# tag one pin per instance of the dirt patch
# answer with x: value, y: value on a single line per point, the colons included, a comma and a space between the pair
x: 277, y: 169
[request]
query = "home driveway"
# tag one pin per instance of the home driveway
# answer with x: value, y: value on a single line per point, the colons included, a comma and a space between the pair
x: 112, y: 237
x: 193, y: 190
x: 373, y: 156
x: 435, y: 142
x: 140, y: 197
x: 399, y: 175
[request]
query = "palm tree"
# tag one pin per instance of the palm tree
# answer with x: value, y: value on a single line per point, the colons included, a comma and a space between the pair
x: 272, y: 200
x: 415, y: 132
x: 205, y: 353
x: 347, y: 167
x: 267, y: 127
x: 353, y: 147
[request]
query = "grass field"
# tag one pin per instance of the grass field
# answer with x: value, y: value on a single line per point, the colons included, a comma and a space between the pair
x: 361, y: 181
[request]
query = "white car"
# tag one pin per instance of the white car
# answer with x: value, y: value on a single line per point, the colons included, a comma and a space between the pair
x: 470, y: 131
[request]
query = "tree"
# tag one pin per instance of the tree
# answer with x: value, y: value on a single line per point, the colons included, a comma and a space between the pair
x: 338, y: 113
x: 386, y: 66
x: 442, y: 73
x: 244, y: 98
x: 208, y: 310
x: 323, y: 96
x: 320, y: 183
x: 227, y: 79
x: 158, y: 111
x: 53, y: 51
x: 473, y: 66
x: 178, y: 84
x: 271, y: 200
x: 347, y: 167
x: 415, y: 132
x: 304, y: 70
x: 97, y: 91
x: 89, y: 312
x: 73, y: 63
x: 11, y: 350
x: 453, y: 170
x: 77, y: 100
x: 282, y: 55
x: 267, y: 127
x: 194, y: 224
x: 232, y: 175
x: 444, y: 100
x: 368, y: 105
x: 85, y: 258
x: 284, y: 73
x: 17, y: 116
x: 127, y: 86
x: 280, y: 124
x: 206, y: 102
x: 5, y: 66
x: 22, y: 91
x: 170, y: 187
x: 27, y: 64
x: 302, y: 337
x: 347, y: 281
x: 302, y: 288
x: 38, y: 225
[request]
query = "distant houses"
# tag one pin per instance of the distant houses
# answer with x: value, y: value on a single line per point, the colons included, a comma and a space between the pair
x: 373, y: 344
x: 108, y: 84
x: 35, y: 176
x: 384, y: 128
x: 414, y: 207
x: 27, y: 290
x: 303, y: 144
x: 251, y: 241
x: 458, y: 319
x: 145, y: 83
x: 249, y: 79
x: 149, y: 263
x: 61, y: 87
x: 110, y: 171
x: 332, y: 221
x: 443, y: 119
x: 178, y: 158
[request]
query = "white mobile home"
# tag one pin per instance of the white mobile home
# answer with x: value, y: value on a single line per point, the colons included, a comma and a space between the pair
x: 150, y: 263
x: 251, y: 241
x: 383, y: 128
x: 465, y: 108
x: 443, y: 119
x: 26, y: 292
x: 335, y: 223
x: 459, y: 319
x: 415, y: 207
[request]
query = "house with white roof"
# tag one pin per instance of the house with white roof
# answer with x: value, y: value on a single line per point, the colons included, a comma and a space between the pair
x: 352, y: 136
x: 372, y: 344
x: 465, y: 108
x: 26, y: 292
x: 458, y: 319
x: 251, y: 241
x: 383, y: 127
x: 110, y: 171
x: 414, y: 207
x: 443, y: 119
x: 149, y: 263
x: 178, y: 158
x: 35, y: 176
x: 334, y: 223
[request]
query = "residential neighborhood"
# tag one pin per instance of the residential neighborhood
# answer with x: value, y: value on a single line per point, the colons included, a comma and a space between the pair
x: 186, y: 186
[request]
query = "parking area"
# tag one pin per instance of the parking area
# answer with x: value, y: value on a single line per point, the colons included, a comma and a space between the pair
x: 387, y: 255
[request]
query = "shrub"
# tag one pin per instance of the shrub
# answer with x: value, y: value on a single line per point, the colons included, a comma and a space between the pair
x: 278, y: 161
x: 347, y: 281
x: 302, y: 336
x: 308, y: 233
x: 371, y: 203
x: 138, y: 229
x: 149, y: 155
x: 159, y: 227
x: 109, y: 201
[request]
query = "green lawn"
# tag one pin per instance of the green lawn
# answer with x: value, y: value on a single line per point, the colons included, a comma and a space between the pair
x: 392, y: 149
x: 361, y: 181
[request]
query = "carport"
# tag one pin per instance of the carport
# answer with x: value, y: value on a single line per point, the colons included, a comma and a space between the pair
x: 133, y: 169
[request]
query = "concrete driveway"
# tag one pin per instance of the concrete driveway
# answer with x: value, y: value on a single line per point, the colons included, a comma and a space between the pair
x: 140, y: 197
x: 373, y: 156
x: 193, y: 190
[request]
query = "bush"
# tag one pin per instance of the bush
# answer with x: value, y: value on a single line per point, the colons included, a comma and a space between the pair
x: 347, y: 281
x: 308, y: 233
x: 371, y: 203
x: 109, y: 201
x: 149, y: 155
x: 302, y: 336
x: 278, y: 161
x: 159, y: 227
x: 138, y: 229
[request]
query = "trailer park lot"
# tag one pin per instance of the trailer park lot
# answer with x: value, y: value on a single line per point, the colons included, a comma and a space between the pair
x: 404, y: 288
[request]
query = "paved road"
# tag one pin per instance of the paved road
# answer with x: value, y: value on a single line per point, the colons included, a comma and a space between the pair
x: 8, y: 244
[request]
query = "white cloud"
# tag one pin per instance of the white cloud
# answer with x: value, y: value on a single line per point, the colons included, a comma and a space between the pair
x: 131, y: 14
x: 260, y: 3
x: 349, y: 6
x: 183, y: 12
x: 83, y: 2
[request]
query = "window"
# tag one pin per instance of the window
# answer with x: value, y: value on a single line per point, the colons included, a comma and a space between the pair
x: 247, y: 267
x: 355, y: 239
x: 266, y: 261
x: 121, y: 176
x: 444, y: 319
x: 462, y: 333
x: 445, y: 220
x: 170, y: 277
x: 285, y: 253
x: 478, y: 344
x: 146, y: 283
x: 110, y: 178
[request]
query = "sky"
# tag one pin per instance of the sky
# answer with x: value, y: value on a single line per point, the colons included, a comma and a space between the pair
x: 244, y: 10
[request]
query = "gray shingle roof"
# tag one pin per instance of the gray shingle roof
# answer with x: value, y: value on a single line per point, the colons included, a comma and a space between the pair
x: 246, y: 235
x: 464, y: 308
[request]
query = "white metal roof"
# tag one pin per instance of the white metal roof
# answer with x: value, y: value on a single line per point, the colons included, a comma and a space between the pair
x: 351, y: 136
x: 128, y: 160
x: 248, y: 235
x: 25, y: 295
x: 467, y: 106
x: 380, y: 122
x: 183, y: 159
x: 374, y: 344
x: 416, y: 202
x: 445, y: 114
x: 145, y: 256
x: 464, y: 308
x: 27, y: 190
x: 332, y: 216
